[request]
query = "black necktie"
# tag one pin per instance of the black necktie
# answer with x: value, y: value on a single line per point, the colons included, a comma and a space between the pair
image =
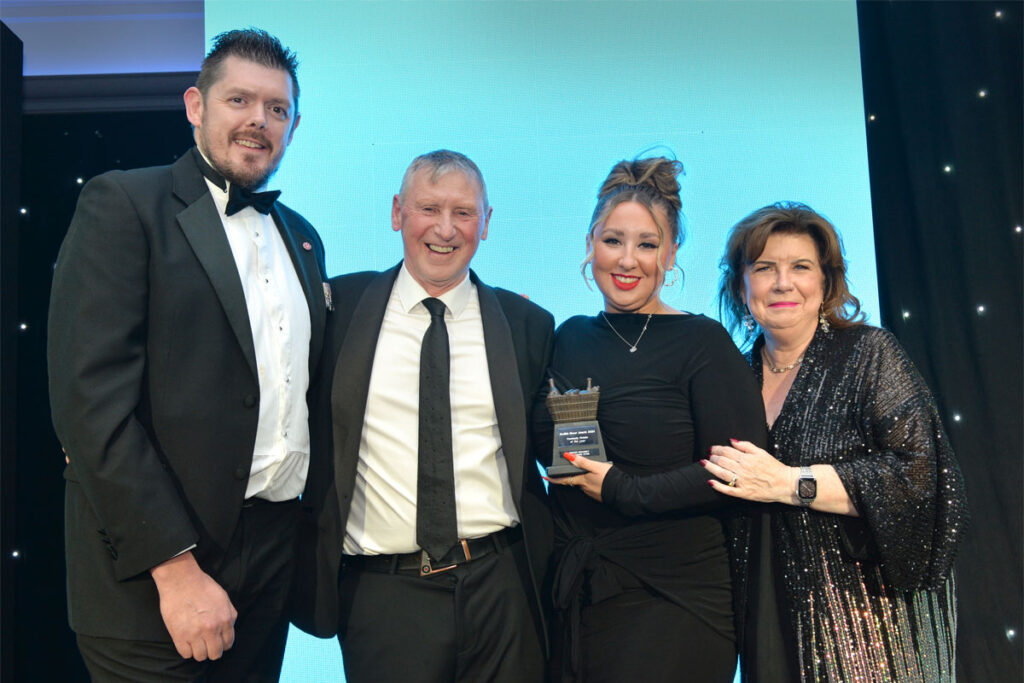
x: 436, y: 529
x: 238, y: 197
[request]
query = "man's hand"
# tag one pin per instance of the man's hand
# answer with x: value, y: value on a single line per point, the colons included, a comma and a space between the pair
x: 197, y: 612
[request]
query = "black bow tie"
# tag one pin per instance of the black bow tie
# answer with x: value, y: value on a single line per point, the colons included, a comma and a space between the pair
x: 238, y: 197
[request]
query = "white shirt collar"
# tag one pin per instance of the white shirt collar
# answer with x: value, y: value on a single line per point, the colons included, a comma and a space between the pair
x: 411, y: 293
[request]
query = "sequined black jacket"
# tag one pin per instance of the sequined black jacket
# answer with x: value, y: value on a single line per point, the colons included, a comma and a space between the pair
x: 869, y: 595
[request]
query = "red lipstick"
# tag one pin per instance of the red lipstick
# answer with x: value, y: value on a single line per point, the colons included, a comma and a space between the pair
x: 625, y: 284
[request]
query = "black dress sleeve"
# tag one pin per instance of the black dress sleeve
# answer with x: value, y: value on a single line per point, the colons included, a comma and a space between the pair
x: 908, y: 488
x: 725, y: 404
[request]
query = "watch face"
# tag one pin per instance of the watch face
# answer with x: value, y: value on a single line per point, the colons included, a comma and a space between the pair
x: 807, y: 488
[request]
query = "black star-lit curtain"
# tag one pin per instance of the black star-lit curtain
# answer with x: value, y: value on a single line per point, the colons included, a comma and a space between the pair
x: 943, y: 103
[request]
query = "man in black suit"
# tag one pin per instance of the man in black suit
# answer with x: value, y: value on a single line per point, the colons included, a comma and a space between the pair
x: 432, y: 529
x: 185, y: 320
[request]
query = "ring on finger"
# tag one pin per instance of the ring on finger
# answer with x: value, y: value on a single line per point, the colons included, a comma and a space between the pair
x: 734, y: 479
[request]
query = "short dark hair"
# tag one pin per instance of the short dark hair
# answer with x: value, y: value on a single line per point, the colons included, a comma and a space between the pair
x: 254, y: 45
x: 747, y: 240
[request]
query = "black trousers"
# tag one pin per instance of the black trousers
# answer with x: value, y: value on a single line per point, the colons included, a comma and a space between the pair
x: 256, y: 571
x: 472, y: 623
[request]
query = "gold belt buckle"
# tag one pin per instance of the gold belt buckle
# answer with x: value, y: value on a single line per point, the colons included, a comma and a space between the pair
x: 426, y: 568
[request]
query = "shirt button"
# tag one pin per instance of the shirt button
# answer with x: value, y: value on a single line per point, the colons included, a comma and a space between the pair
x: 249, y: 401
x: 241, y: 473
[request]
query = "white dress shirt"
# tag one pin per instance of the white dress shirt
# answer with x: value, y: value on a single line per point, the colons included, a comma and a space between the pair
x: 382, y: 519
x: 279, y: 318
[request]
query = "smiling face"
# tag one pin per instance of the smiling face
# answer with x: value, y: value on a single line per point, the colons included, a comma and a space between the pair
x: 785, y: 285
x: 245, y: 121
x: 442, y: 223
x: 630, y: 258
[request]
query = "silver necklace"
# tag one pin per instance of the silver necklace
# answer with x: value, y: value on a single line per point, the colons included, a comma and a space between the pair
x: 777, y: 370
x: 632, y: 347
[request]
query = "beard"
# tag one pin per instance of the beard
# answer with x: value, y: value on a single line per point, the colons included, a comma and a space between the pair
x: 249, y: 176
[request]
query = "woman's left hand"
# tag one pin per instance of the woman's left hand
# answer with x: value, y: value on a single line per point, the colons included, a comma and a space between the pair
x: 591, y: 481
x: 748, y: 472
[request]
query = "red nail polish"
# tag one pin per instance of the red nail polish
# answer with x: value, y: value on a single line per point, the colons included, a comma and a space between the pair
x: 711, y: 483
x: 569, y: 456
x: 709, y: 449
x: 704, y: 463
x: 733, y: 441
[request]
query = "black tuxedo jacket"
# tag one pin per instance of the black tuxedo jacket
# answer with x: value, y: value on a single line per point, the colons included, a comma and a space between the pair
x: 518, y: 337
x: 153, y: 385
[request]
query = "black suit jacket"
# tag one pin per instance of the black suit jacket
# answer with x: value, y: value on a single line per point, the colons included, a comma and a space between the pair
x: 153, y: 384
x: 518, y: 337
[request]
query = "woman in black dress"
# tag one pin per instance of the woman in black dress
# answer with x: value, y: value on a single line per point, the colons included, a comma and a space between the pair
x: 642, y: 583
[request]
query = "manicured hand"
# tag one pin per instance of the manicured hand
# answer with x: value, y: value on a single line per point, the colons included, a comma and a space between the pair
x: 591, y: 481
x: 746, y: 471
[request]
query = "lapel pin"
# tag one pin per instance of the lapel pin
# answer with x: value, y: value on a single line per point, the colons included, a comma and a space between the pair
x: 307, y: 246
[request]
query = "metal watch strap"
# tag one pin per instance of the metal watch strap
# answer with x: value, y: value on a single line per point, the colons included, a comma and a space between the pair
x: 805, y: 474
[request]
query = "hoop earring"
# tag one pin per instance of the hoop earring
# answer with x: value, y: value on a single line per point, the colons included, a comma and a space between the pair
x: 586, y: 278
x: 675, y: 270
x: 822, y: 320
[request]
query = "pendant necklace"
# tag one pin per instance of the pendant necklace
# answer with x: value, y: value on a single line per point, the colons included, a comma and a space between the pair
x: 632, y: 347
x: 785, y: 368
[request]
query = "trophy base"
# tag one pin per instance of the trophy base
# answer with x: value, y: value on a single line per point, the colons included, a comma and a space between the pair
x: 565, y: 470
x: 575, y: 438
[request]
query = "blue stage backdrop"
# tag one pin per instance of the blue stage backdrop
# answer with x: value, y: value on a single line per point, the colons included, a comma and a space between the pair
x: 761, y: 101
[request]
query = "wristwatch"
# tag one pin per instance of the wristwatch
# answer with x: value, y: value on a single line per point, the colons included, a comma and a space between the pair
x: 806, y: 487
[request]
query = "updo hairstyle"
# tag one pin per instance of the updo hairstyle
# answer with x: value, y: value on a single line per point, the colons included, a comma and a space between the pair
x: 651, y: 182
x: 746, y: 242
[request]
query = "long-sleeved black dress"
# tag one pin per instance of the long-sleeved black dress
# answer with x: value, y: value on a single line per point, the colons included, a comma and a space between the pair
x: 642, y: 582
x: 869, y: 598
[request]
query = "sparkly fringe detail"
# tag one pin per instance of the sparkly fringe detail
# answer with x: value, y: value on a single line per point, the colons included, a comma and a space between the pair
x: 867, y: 636
x: 868, y: 599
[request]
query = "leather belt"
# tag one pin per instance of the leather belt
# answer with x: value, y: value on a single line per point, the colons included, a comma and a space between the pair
x: 419, y: 563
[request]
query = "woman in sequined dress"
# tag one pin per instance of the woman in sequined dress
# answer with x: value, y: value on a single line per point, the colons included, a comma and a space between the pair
x: 642, y: 582
x: 845, y: 572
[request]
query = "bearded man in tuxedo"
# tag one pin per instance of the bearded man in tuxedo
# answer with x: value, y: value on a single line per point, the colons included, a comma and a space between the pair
x: 186, y: 317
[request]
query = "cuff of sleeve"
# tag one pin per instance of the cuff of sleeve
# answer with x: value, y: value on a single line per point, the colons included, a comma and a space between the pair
x: 844, y: 471
x: 610, y: 486
x: 182, y: 552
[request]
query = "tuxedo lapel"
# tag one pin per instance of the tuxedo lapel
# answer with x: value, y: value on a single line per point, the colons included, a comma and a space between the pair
x: 201, y: 224
x: 308, y: 271
x: 505, y: 385
x: 351, y: 384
